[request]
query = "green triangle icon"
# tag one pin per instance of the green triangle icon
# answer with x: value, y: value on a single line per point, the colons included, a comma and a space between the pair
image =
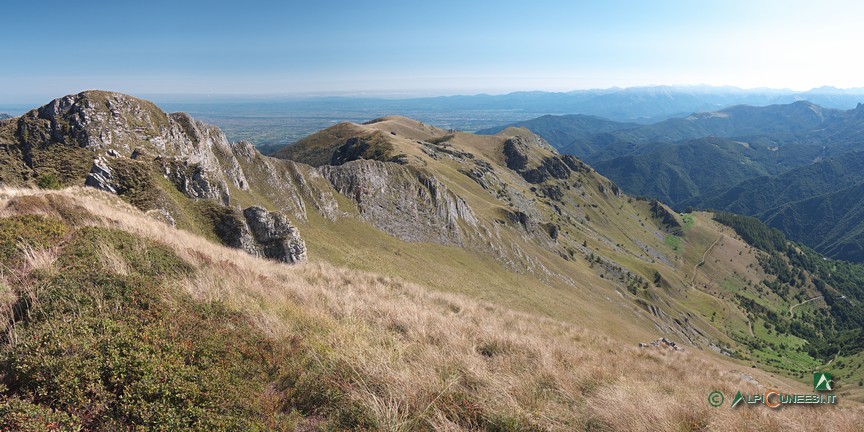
x: 738, y: 398
x: 822, y: 381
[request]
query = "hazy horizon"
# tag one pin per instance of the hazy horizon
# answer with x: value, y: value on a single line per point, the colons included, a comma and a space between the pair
x: 28, y: 103
x: 387, y: 47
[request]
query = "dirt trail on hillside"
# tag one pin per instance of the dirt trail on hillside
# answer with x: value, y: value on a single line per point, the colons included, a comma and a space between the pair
x: 792, y: 309
x: 693, y: 276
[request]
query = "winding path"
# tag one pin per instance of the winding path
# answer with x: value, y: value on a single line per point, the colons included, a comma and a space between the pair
x: 792, y: 309
x: 693, y: 276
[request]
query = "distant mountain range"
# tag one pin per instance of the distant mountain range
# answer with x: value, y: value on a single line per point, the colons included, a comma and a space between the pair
x: 271, y: 122
x: 678, y: 159
x: 576, y: 134
x: 757, y: 161
x: 596, y: 139
x: 4, y: 116
x: 644, y: 104
x: 761, y: 194
x: 675, y: 173
x: 781, y: 123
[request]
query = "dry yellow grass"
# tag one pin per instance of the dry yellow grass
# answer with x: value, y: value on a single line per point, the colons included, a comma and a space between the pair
x: 427, y: 360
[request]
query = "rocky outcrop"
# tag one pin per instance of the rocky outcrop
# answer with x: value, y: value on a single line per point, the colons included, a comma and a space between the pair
x: 516, y: 151
x: 127, y: 143
x: 575, y: 164
x: 527, y: 222
x: 275, y: 237
x: 374, y: 147
x: 290, y: 186
x: 230, y: 226
x: 666, y: 217
x: 193, y: 181
x: 260, y: 232
x: 104, y: 121
x: 550, y: 167
x: 662, y: 343
x: 101, y: 176
x: 484, y: 175
x: 518, y: 157
x: 402, y: 201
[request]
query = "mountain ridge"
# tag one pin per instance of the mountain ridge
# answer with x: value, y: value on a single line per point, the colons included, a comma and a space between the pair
x: 764, y: 193
x: 772, y: 140
x: 831, y: 223
x: 567, y: 131
x: 780, y: 123
x: 503, y: 219
x: 659, y: 174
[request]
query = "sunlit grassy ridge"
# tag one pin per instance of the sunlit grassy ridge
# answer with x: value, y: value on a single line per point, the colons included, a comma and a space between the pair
x: 233, y: 341
x: 455, y: 281
x: 548, y: 236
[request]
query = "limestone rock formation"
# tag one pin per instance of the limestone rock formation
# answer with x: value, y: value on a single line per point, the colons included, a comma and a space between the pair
x: 122, y: 145
x: 516, y: 153
x: 194, y: 181
x: 102, y: 121
x: 402, y: 201
x: 261, y: 233
x: 518, y: 157
x: 275, y: 236
x: 101, y: 177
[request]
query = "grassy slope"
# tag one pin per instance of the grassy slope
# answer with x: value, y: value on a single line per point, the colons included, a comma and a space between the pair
x: 356, y: 244
x: 731, y: 269
x: 576, y: 291
x: 711, y: 302
x: 317, y: 149
x: 571, y: 291
x: 373, y: 351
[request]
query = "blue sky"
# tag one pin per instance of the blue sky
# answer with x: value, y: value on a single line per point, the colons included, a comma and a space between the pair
x: 402, y: 47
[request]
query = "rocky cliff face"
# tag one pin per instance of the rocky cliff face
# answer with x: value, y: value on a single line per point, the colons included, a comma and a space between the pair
x: 274, y: 236
x: 101, y: 176
x: 102, y: 121
x: 122, y: 145
x: 518, y: 157
x: 291, y: 187
x: 402, y: 201
x: 261, y: 232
